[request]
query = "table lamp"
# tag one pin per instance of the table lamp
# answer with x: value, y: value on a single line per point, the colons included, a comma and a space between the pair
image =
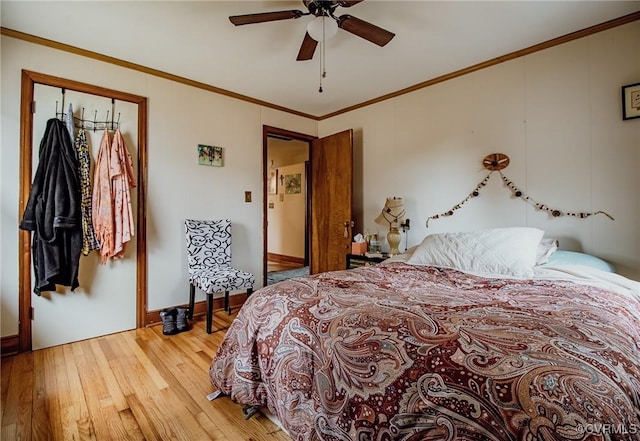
x: 393, y: 215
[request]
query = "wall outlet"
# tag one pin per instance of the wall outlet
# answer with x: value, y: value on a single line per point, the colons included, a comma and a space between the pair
x: 247, y: 196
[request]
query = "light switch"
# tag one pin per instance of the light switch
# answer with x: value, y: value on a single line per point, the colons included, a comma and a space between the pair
x: 247, y: 196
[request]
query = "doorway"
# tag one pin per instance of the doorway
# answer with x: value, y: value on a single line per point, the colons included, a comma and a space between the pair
x: 329, y: 197
x: 286, y: 204
x: 105, y: 288
x: 136, y: 115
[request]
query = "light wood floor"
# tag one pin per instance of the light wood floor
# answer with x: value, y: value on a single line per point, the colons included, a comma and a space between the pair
x: 280, y: 266
x: 134, y: 385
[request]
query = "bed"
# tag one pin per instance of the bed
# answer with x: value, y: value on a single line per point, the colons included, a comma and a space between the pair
x: 469, y: 336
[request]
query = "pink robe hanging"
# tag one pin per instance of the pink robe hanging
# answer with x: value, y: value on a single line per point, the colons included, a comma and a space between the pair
x: 122, y: 179
x: 112, y: 213
x: 102, y: 209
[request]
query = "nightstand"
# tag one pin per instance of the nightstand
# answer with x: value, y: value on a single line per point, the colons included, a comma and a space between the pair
x: 358, y: 260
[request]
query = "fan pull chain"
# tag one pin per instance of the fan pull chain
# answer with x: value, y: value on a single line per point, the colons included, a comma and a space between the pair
x: 321, y: 66
x: 323, y: 60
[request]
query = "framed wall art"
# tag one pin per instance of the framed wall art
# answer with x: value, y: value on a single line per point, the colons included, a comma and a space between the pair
x: 631, y: 101
x: 293, y: 183
x: 209, y: 155
x: 273, y: 182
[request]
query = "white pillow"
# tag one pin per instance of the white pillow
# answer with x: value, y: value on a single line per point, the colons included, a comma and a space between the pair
x: 495, y: 252
x: 546, y: 248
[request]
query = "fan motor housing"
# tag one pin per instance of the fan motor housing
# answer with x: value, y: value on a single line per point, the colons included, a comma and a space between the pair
x: 321, y: 7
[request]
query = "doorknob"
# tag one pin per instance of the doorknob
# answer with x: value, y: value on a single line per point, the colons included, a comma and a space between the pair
x: 347, y: 225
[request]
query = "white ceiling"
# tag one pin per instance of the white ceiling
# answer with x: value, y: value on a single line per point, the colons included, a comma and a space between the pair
x: 195, y: 40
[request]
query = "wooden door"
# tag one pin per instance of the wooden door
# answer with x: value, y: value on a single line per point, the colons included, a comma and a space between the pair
x: 331, y: 201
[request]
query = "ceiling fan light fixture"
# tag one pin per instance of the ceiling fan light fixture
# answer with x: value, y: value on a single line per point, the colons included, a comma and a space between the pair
x: 318, y: 24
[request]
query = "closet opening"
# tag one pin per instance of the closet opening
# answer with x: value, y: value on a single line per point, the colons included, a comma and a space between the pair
x: 31, y: 84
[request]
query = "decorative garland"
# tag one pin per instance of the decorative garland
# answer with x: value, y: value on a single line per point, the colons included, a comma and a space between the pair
x: 517, y: 193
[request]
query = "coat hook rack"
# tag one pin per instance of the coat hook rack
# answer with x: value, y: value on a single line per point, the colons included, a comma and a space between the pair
x: 60, y: 115
x: 81, y: 123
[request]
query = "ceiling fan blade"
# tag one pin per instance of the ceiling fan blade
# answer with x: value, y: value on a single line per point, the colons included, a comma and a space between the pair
x: 348, y: 3
x: 365, y: 30
x: 264, y: 17
x: 307, y: 49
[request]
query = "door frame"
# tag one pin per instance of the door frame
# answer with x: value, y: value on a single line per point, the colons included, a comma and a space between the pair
x: 282, y: 133
x: 28, y: 82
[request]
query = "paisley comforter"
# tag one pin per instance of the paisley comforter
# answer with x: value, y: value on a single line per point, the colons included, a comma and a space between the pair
x: 398, y: 352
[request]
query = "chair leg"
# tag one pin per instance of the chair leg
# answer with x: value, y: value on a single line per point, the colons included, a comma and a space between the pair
x: 209, y: 312
x: 192, y: 299
x: 249, y: 291
x: 227, y: 305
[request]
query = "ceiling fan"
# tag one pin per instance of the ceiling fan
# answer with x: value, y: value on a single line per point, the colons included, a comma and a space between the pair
x: 322, y: 9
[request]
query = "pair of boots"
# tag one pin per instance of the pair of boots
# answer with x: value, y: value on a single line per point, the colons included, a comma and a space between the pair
x: 174, y: 320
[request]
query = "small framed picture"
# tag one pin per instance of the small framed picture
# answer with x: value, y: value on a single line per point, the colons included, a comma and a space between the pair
x: 273, y: 182
x: 209, y: 155
x: 293, y: 183
x: 631, y: 101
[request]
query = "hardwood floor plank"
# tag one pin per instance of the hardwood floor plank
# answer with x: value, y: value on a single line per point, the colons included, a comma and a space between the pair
x: 9, y: 394
x: 157, y: 409
x: 134, y: 385
x: 62, y: 397
x: 23, y: 370
x: 139, y: 412
x: 5, y: 372
x: 142, y: 404
x: 130, y: 339
x: 192, y: 348
x: 119, y: 425
x: 95, y: 391
x: 167, y: 364
x: 209, y: 427
x: 101, y: 348
x: 40, y: 419
x: 187, y: 429
x: 69, y: 425
x: 76, y: 394
x: 52, y: 394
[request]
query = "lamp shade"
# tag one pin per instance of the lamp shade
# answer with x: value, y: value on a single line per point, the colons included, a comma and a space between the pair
x: 392, y: 214
x: 315, y: 28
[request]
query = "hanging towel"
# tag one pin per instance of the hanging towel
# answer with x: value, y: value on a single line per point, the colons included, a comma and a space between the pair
x: 102, y: 209
x: 89, y: 241
x: 122, y: 178
x: 52, y: 212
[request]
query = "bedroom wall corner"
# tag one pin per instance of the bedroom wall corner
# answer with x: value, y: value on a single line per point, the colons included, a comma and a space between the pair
x: 555, y: 112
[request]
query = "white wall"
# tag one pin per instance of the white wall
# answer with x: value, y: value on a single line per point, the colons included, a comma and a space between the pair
x: 180, y: 118
x: 556, y: 113
x: 286, y: 225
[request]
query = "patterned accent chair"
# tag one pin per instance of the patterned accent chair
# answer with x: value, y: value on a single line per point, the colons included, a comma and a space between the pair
x: 209, y: 264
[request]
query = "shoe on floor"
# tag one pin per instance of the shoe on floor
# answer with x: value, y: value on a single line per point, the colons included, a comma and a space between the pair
x: 169, y: 326
x: 182, y: 323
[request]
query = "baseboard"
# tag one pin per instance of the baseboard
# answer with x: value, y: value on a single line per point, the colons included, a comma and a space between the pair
x: 9, y: 345
x: 281, y: 258
x: 200, y: 308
